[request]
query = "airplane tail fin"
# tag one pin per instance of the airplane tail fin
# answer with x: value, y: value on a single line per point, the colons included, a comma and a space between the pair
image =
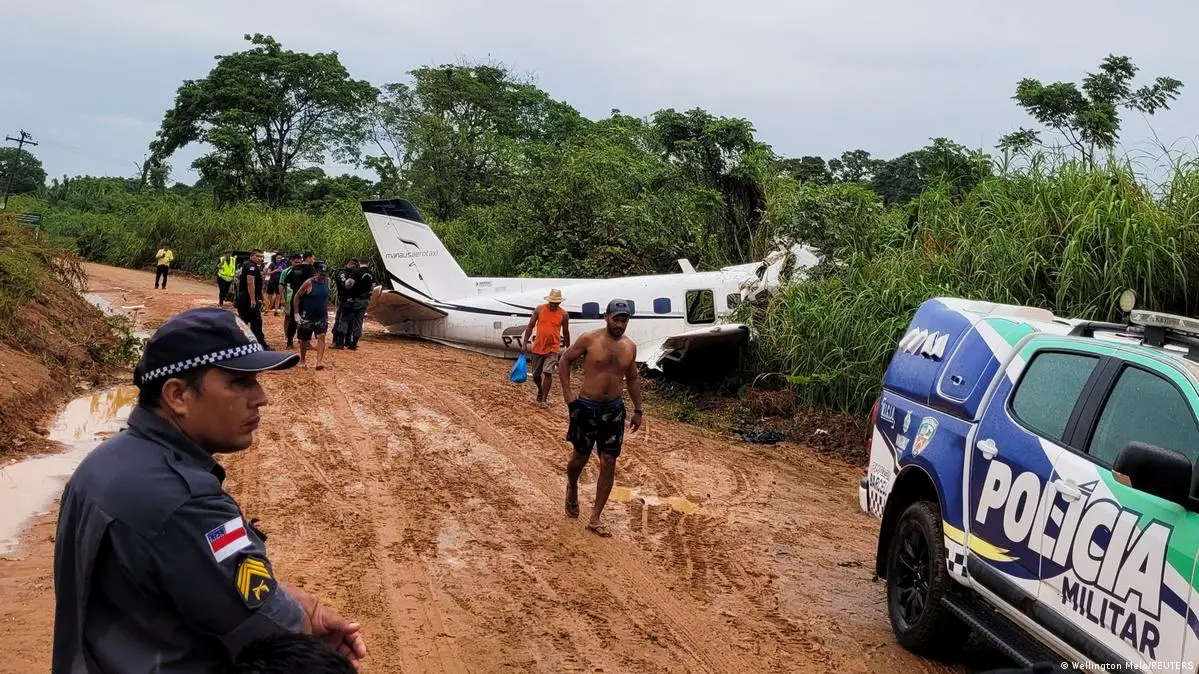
x: 416, y: 261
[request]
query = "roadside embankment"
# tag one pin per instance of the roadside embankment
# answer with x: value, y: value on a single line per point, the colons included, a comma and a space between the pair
x: 52, y: 340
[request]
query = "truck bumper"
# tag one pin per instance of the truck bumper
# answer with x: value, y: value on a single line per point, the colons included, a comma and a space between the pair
x: 863, y: 494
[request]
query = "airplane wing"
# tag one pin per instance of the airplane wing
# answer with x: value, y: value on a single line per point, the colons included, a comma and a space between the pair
x: 675, y: 347
x: 389, y: 308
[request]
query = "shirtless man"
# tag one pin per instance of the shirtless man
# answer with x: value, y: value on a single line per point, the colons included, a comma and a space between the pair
x: 597, y: 415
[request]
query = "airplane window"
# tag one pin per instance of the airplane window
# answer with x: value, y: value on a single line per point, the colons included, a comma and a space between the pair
x: 733, y: 300
x: 701, y: 306
x: 632, y: 307
x: 591, y: 310
x: 662, y: 305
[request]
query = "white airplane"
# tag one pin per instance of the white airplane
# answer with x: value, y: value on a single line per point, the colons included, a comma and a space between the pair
x: 674, y: 315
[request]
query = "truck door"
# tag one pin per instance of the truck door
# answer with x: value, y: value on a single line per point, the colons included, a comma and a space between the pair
x: 1118, y: 562
x: 1011, y: 457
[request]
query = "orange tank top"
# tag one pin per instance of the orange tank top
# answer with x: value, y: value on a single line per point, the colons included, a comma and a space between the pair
x: 549, y: 330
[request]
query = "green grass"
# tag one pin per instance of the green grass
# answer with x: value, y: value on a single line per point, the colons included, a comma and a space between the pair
x: 124, y: 229
x: 26, y: 264
x: 1063, y: 238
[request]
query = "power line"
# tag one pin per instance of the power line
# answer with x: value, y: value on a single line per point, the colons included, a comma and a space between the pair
x: 24, y: 138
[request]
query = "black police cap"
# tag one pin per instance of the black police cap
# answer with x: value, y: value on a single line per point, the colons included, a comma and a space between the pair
x: 206, y: 337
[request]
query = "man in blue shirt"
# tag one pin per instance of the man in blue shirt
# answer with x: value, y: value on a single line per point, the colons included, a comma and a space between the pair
x: 156, y: 568
x: 311, y: 313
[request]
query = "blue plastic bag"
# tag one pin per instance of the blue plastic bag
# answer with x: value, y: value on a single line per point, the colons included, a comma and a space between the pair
x: 520, y: 371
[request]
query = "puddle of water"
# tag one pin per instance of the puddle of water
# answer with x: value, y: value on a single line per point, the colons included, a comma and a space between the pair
x: 109, y: 308
x: 100, y: 302
x: 28, y: 488
x: 679, y: 503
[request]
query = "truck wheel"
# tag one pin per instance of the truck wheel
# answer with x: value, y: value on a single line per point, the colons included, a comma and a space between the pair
x: 916, y: 580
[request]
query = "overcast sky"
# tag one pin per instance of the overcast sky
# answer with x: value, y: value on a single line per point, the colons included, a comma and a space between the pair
x: 91, y: 80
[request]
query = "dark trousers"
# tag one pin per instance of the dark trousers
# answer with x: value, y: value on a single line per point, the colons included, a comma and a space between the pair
x: 289, y: 327
x: 348, y: 329
x: 339, y: 336
x: 224, y: 290
x: 253, y: 318
x: 161, y: 274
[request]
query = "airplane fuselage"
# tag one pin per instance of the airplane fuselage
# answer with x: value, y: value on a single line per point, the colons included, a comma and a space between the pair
x: 432, y: 297
x: 494, y: 320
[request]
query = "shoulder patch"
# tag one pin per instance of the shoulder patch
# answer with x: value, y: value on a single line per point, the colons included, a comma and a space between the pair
x: 227, y: 539
x: 255, y: 581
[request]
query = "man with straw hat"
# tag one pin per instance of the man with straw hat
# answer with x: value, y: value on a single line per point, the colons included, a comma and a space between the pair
x: 553, y: 335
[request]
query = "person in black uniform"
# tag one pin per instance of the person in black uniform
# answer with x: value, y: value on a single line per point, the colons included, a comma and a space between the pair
x: 343, y: 275
x: 348, y: 329
x: 296, y: 278
x: 249, y: 295
x: 156, y: 568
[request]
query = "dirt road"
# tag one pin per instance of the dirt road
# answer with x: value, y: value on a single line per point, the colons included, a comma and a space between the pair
x: 418, y: 491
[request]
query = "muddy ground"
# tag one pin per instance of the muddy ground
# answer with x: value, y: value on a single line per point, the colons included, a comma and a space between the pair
x: 415, y: 489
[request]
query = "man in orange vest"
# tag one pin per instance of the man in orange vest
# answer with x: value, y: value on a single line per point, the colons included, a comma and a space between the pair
x: 553, y: 335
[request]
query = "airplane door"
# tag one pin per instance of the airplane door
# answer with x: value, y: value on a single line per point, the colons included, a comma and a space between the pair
x: 1011, y: 458
x: 1119, y: 562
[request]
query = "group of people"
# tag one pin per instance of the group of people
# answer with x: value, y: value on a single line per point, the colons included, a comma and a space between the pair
x: 157, y: 567
x: 300, y: 287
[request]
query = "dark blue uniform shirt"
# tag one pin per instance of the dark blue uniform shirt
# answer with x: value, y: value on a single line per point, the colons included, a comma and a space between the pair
x: 155, y: 569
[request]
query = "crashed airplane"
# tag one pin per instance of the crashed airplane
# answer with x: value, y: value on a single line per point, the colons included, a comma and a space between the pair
x: 674, y: 315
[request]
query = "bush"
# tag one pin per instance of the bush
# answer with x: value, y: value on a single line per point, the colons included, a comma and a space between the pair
x: 1065, y: 238
x: 125, y: 229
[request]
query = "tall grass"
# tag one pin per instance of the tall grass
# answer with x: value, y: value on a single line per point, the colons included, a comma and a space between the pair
x: 126, y: 229
x: 1062, y: 237
x: 27, y: 265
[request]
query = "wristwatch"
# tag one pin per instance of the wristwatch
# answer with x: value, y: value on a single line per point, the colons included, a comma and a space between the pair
x: 636, y: 411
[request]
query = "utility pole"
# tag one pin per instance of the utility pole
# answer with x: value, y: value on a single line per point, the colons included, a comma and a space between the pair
x: 12, y: 170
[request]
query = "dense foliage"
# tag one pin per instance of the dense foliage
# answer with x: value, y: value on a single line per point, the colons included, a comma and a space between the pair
x: 1067, y: 238
x: 517, y: 182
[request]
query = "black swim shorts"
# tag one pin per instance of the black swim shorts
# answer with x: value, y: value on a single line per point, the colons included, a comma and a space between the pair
x: 598, y: 424
x: 306, y: 328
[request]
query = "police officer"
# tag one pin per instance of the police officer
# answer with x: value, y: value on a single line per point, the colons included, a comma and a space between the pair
x: 249, y: 294
x: 156, y: 568
x: 225, y: 273
x: 343, y: 275
x: 358, y: 298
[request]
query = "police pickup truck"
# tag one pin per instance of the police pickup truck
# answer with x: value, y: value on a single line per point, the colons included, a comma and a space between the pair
x: 1035, y: 480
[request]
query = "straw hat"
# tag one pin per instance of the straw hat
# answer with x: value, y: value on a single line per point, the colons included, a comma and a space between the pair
x: 554, y: 296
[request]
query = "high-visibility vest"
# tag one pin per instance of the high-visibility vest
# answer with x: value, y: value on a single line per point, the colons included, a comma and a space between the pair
x: 227, y: 268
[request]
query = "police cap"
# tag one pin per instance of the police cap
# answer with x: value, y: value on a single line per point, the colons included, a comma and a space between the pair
x: 206, y: 337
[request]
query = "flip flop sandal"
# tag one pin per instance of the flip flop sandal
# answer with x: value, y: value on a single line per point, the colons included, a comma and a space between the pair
x: 600, y: 530
x: 572, y: 508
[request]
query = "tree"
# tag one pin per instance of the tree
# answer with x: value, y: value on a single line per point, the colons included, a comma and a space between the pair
x: 854, y: 166
x: 720, y: 153
x: 1088, y: 117
x: 454, y: 137
x: 28, y: 176
x: 907, y: 176
x: 264, y: 111
x: 808, y: 169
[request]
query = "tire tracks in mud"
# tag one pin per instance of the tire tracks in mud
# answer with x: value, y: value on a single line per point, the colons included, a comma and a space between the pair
x: 419, y: 493
x: 711, y: 556
x: 581, y: 599
x: 635, y: 580
x: 416, y: 621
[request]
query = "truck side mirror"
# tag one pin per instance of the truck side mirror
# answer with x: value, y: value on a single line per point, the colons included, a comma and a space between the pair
x: 1155, y: 470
